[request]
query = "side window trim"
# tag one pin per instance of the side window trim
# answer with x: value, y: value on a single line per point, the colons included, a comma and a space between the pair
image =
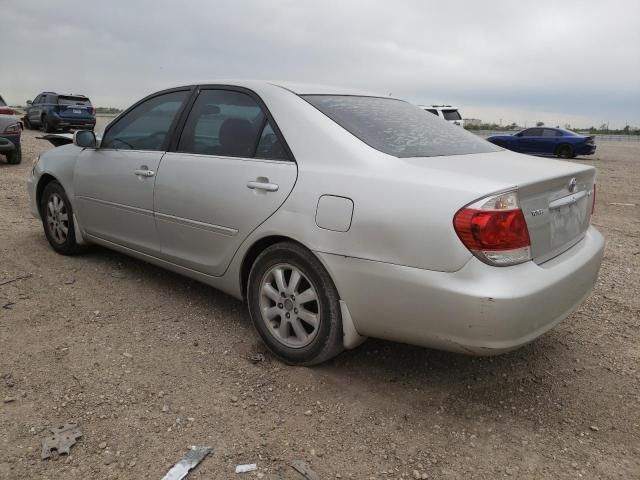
x: 173, y: 146
x: 172, y: 129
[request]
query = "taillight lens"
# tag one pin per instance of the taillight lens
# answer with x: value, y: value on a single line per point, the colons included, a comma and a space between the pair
x: 93, y: 110
x: 494, y: 230
x: 13, y: 129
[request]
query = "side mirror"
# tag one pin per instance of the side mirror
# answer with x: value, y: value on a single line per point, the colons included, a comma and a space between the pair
x: 29, y: 102
x: 85, y: 139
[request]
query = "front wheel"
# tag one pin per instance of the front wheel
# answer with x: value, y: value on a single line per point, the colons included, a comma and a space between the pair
x: 294, y: 305
x: 15, y: 157
x: 57, y: 219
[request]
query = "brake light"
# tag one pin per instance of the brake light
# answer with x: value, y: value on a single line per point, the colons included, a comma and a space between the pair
x: 593, y: 205
x: 7, y: 111
x: 494, y: 230
x: 93, y: 110
x: 13, y: 129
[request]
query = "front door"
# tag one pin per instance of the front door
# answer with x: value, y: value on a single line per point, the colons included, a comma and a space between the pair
x: 114, y: 184
x: 229, y: 173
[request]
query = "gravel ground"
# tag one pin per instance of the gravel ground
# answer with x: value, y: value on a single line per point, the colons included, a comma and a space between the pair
x: 149, y: 363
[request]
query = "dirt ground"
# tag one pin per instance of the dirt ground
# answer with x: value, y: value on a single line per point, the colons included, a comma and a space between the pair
x: 149, y: 363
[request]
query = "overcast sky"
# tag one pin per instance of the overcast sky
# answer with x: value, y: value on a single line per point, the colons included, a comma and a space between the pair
x: 557, y: 62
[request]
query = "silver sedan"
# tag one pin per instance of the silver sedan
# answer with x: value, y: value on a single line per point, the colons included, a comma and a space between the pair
x: 337, y: 215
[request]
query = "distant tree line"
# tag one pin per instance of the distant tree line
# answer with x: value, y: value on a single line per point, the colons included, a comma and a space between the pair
x: 108, y: 110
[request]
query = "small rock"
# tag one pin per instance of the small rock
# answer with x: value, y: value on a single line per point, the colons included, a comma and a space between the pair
x: 308, y: 413
x: 165, y: 408
x: 70, y: 281
x: 161, y: 394
x: 594, y: 428
x: 234, y: 399
x: 417, y: 474
x: 102, y: 445
x: 9, y: 399
x: 127, y: 354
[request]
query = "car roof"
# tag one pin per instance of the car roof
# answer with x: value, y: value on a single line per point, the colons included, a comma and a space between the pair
x: 299, y: 88
x: 64, y: 94
x: 438, y: 107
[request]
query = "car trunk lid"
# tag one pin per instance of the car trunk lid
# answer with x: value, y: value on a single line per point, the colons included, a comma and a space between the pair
x: 556, y: 196
x: 74, y: 107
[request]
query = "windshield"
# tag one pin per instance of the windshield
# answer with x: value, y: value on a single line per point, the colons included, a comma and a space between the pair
x: 68, y: 100
x: 398, y: 128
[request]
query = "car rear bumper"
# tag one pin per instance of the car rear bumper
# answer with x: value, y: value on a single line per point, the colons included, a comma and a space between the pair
x: 66, y: 122
x: 479, y: 309
x: 586, y: 149
x: 8, y: 143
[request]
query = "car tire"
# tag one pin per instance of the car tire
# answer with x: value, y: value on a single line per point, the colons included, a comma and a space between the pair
x: 46, y: 128
x: 15, y: 157
x: 564, y: 151
x: 294, y: 305
x: 57, y: 219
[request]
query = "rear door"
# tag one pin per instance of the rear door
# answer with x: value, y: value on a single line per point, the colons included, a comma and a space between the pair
x: 229, y: 171
x: 114, y: 184
x: 35, y: 109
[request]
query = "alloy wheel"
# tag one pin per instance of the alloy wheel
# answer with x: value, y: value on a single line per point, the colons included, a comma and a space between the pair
x: 57, y: 218
x: 289, y: 305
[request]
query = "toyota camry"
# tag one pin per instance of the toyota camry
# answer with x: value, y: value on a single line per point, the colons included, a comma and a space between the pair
x: 335, y: 214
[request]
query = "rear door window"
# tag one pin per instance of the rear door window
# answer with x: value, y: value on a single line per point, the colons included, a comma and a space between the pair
x: 398, y: 128
x: 146, y: 126
x: 230, y: 124
x: 431, y: 110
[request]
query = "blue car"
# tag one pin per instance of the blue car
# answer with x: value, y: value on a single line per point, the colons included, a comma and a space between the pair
x: 51, y: 111
x: 547, y: 141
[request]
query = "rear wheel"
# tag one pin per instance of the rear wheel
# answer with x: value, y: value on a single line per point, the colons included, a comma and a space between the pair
x: 15, y: 157
x: 564, y: 151
x: 57, y: 219
x: 46, y: 127
x: 294, y: 305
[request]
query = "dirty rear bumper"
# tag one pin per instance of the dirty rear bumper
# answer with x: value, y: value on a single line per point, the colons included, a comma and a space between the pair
x: 479, y: 309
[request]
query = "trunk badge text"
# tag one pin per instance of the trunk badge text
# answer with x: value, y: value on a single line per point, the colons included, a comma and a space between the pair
x: 573, y: 183
x: 535, y: 213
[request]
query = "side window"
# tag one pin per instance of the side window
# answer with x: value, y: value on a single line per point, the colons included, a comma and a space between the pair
x: 547, y: 132
x: 37, y: 100
x: 147, y: 126
x: 225, y: 123
x: 532, y: 132
x: 269, y: 146
x: 431, y: 110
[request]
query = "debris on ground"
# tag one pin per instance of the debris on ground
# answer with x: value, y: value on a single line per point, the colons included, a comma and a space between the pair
x: 61, y: 439
x: 15, y: 279
x: 256, y: 358
x: 187, y: 463
x: 303, y: 469
x: 617, y: 204
x: 9, y: 399
x: 248, y: 467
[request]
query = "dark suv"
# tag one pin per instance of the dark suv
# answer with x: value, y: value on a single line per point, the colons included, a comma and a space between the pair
x: 51, y: 111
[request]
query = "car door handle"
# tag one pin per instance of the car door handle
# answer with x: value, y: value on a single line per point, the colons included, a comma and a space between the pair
x: 269, y: 187
x: 143, y: 172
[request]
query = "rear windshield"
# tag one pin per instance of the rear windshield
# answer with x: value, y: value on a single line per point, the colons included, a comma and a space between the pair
x: 451, y: 115
x: 398, y: 128
x: 68, y: 100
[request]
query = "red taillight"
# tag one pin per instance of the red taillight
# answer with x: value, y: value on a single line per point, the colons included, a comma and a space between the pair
x: 593, y: 205
x: 494, y: 231
x: 13, y: 129
x: 7, y: 111
x: 93, y: 110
